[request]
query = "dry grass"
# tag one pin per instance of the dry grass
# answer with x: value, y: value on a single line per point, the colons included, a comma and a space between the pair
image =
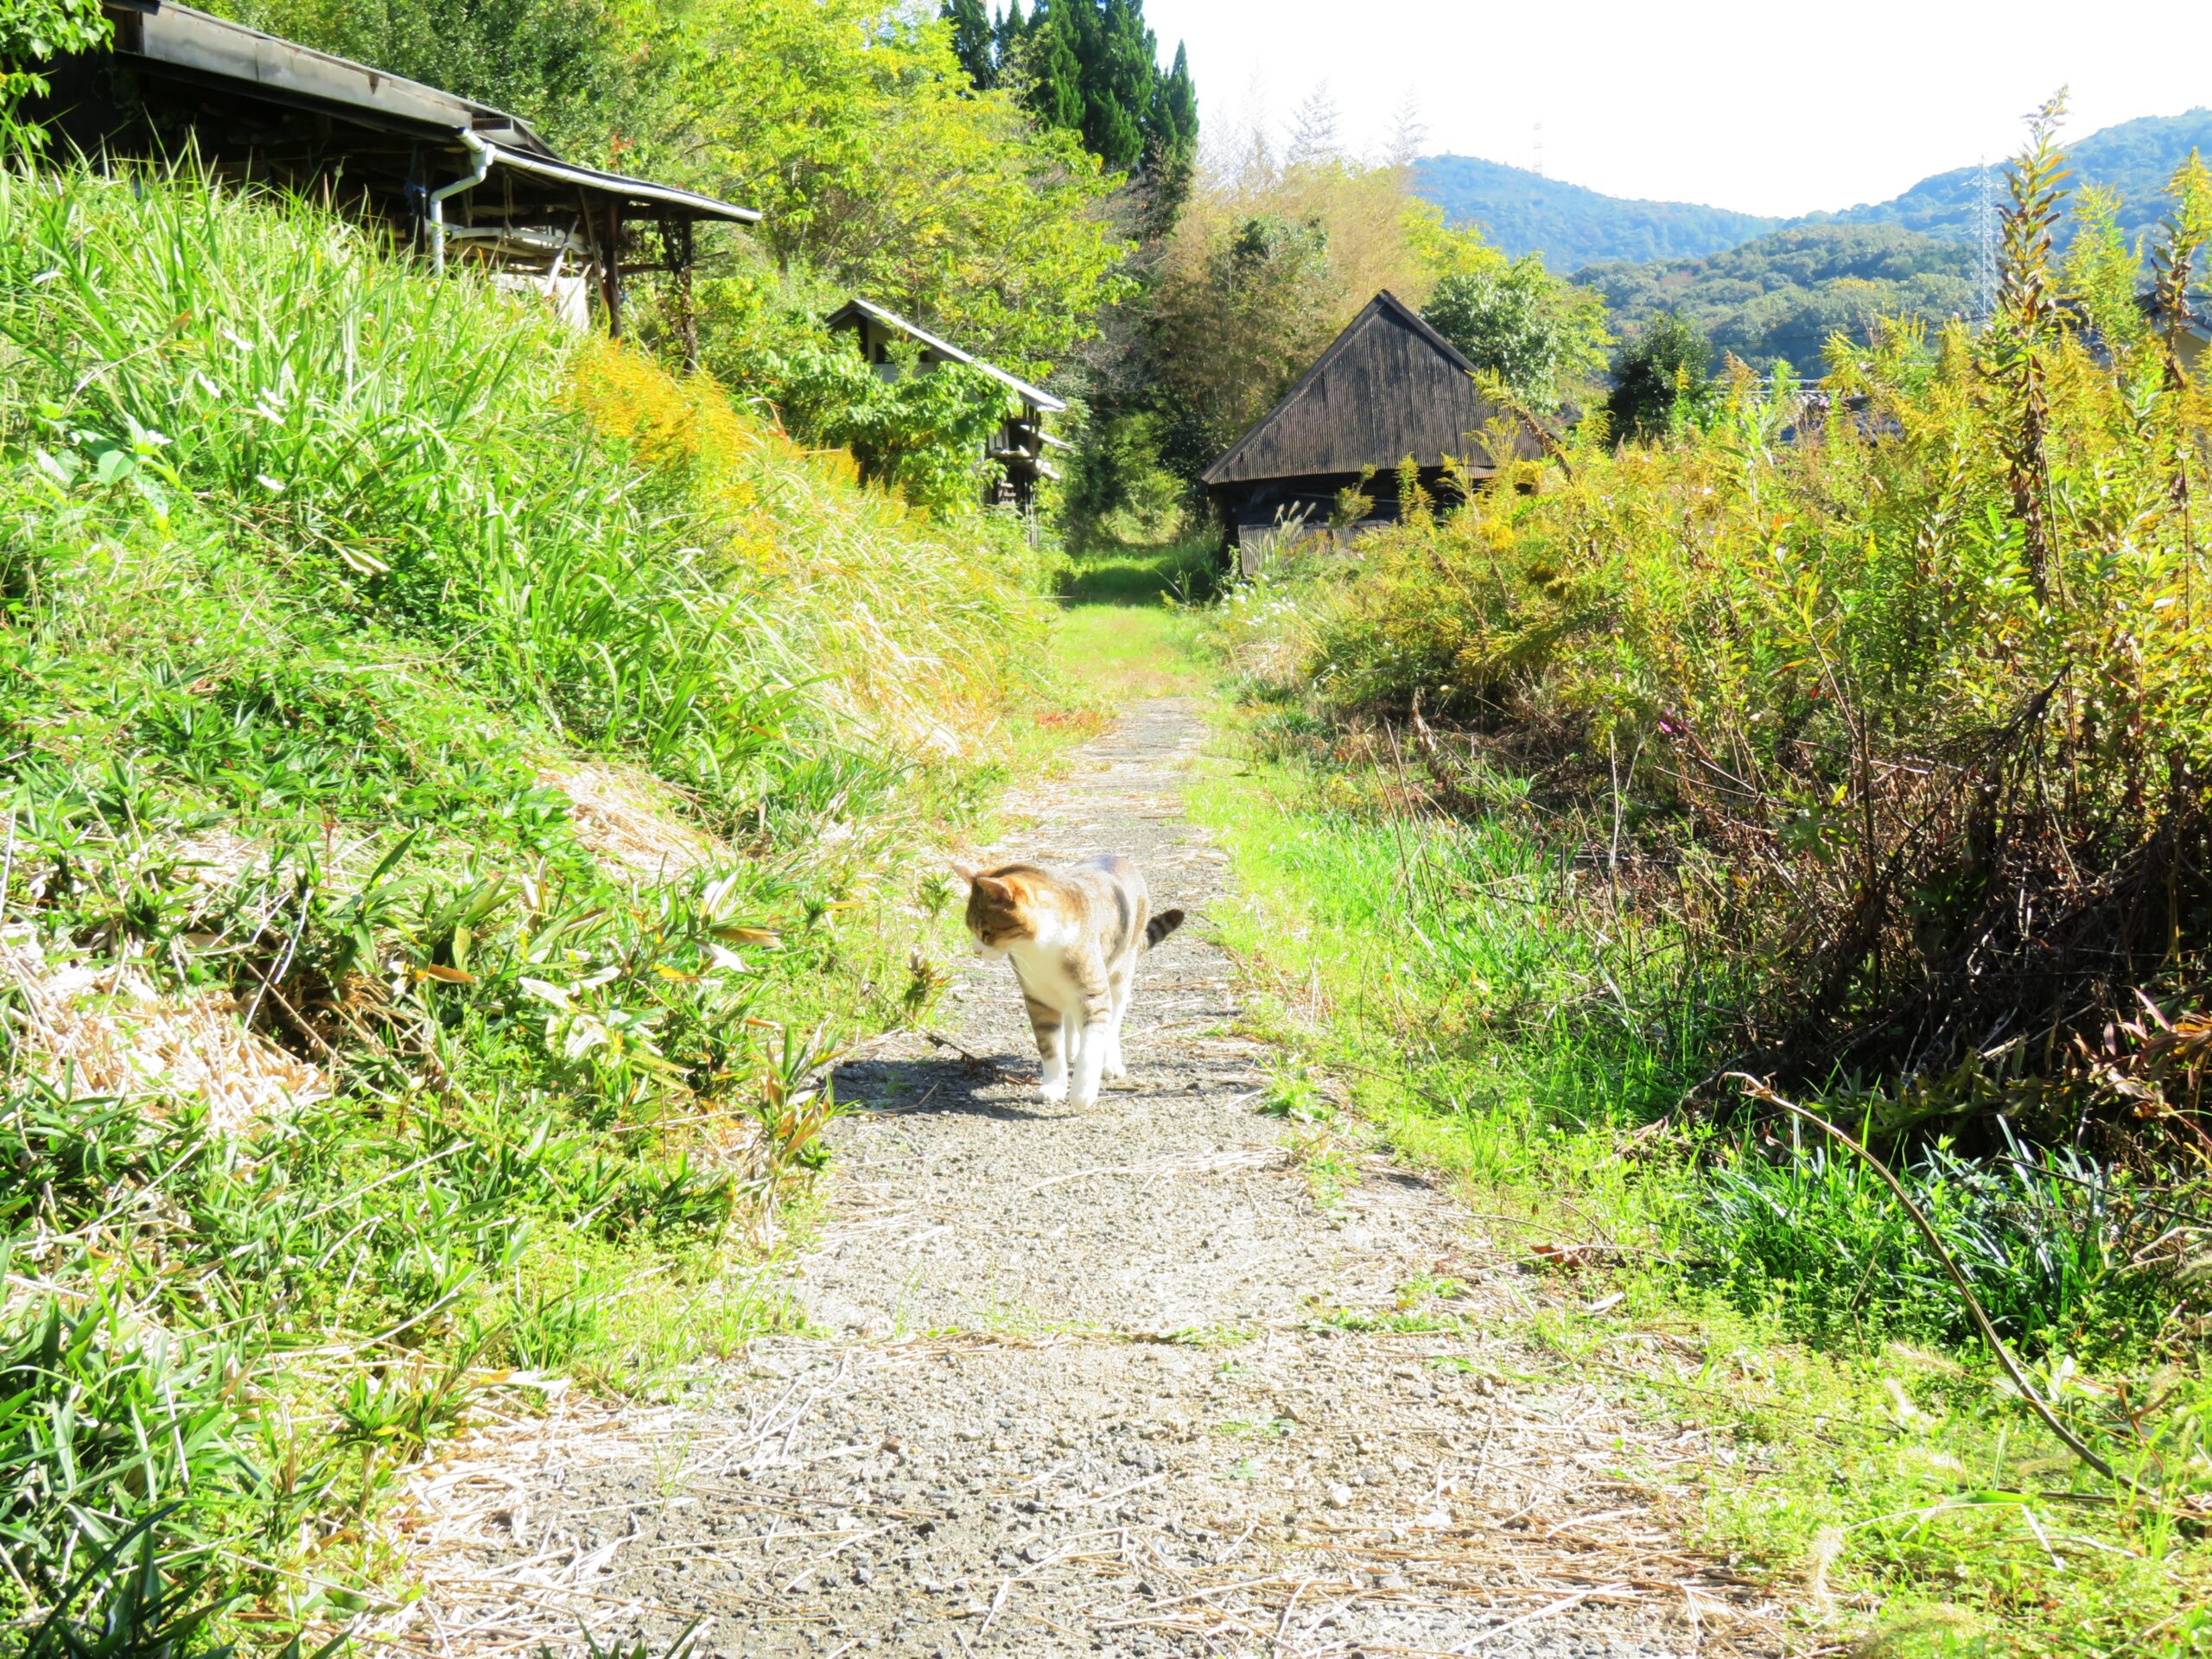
x: 103, y: 1029
x: 632, y: 822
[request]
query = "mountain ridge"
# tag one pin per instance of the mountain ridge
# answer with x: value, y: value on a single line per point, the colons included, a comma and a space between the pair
x: 1572, y: 225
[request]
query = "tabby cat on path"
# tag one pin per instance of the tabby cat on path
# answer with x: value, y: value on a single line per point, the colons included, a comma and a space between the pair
x: 1074, y: 936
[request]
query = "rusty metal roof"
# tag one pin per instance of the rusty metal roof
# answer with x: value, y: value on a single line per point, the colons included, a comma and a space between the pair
x: 178, y: 41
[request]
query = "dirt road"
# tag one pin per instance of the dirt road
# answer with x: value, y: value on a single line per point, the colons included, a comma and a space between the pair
x: 1166, y: 1377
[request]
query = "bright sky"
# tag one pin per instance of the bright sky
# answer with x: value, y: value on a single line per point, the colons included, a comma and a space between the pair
x: 1778, y: 107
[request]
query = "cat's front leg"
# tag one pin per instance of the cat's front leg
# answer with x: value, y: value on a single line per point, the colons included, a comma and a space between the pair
x: 1051, y: 1034
x: 1090, y: 1041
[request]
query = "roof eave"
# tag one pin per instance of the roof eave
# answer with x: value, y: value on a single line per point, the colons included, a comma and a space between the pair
x: 181, y: 41
x: 858, y: 307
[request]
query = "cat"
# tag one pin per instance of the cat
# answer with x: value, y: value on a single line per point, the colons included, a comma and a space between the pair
x: 1073, y: 936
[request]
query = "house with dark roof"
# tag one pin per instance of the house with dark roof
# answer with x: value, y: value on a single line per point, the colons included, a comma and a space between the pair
x: 887, y: 341
x: 1389, y: 387
x: 456, y: 178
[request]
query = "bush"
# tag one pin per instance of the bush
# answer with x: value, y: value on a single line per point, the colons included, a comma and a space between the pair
x: 1931, y: 770
x: 1661, y: 377
x: 338, y: 603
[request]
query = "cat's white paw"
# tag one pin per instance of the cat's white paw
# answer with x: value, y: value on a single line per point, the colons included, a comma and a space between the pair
x: 1114, y: 1070
x: 1053, y: 1090
x: 1082, y: 1099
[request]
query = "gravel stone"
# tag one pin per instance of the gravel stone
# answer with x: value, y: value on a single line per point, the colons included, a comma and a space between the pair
x: 1143, y: 1297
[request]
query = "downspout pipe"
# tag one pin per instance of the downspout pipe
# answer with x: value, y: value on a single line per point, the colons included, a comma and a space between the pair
x: 486, y: 155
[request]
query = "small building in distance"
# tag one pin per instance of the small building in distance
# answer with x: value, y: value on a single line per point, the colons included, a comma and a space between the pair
x: 449, y: 175
x: 1019, y: 444
x: 1388, y: 387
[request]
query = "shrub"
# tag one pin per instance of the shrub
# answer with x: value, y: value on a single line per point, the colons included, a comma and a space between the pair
x: 330, y: 594
x: 1903, y: 680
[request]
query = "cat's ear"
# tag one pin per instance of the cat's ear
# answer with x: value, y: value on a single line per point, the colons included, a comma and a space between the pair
x: 964, y: 874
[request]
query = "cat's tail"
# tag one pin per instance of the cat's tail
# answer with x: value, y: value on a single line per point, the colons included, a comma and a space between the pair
x: 1161, y: 926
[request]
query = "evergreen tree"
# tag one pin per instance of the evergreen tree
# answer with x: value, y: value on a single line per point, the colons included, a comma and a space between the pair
x: 1055, y: 69
x: 974, y: 41
x: 1664, y: 371
x: 1093, y: 67
x: 1007, y: 36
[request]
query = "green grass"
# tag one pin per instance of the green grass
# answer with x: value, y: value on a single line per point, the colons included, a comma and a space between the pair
x: 1499, y: 1021
x: 1126, y: 631
x: 323, y: 584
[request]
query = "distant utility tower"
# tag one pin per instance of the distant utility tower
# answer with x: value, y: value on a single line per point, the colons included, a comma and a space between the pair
x: 1540, y: 150
x: 1985, y: 240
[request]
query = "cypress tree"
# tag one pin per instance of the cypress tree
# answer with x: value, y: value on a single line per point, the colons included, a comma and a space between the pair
x: 1093, y: 65
x: 1011, y: 31
x: 972, y: 41
x: 1171, y: 144
x: 1055, y: 67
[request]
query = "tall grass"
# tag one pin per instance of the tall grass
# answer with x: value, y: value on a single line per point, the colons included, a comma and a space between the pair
x: 647, y: 569
x: 327, y: 588
x: 1856, y: 739
x: 1470, y: 983
x: 1883, y: 708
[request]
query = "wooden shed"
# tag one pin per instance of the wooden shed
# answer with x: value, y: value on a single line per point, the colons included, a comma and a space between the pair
x: 1018, y: 445
x: 452, y: 176
x: 1388, y: 387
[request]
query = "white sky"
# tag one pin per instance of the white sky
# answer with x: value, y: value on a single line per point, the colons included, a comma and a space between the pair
x: 1776, y: 108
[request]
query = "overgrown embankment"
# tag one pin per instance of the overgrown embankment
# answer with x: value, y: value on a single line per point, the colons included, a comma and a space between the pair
x: 1856, y: 742
x: 451, y: 768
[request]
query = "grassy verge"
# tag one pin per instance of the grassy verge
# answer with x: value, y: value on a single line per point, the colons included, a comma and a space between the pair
x: 1496, y: 1016
x: 1127, y: 628
x: 460, y: 784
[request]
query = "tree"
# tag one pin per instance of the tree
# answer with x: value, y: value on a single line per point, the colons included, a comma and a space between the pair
x: 569, y: 68
x: 1172, y: 141
x: 1663, y: 369
x: 1236, y: 331
x: 855, y: 125
x: 1534, y: 333
x: 1092, y: 66
x: 879, y: 168
x: 33, y: 32
x: 973, y: 41
x: 1054, y: 73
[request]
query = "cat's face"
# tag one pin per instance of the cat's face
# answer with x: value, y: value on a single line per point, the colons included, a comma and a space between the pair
x: 998, y: 918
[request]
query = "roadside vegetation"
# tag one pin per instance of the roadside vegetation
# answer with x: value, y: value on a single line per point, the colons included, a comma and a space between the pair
x: 459, y: 782
x: 1844, y: 750
x: 464, y: 781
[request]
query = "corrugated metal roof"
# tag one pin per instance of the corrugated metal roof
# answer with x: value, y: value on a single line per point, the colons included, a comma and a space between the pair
x: 182, y: 38
x: 551, y: 167
x: 869, y: 308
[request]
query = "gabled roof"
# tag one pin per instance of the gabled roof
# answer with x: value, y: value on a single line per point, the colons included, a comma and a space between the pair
x: 178, y: 43
x: 1388, y: 387
x: 854, y: 310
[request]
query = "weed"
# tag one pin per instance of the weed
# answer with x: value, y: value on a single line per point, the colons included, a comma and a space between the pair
x: 345, y: 1072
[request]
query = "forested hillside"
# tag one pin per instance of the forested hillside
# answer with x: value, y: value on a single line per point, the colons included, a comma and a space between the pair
x: 2133, y: 160
x: 1571, y: 226
x: 1785, y: 294
x: 1521, y: 212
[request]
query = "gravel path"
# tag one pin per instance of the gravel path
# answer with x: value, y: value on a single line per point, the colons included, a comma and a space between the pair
x: 1166, y: 1377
